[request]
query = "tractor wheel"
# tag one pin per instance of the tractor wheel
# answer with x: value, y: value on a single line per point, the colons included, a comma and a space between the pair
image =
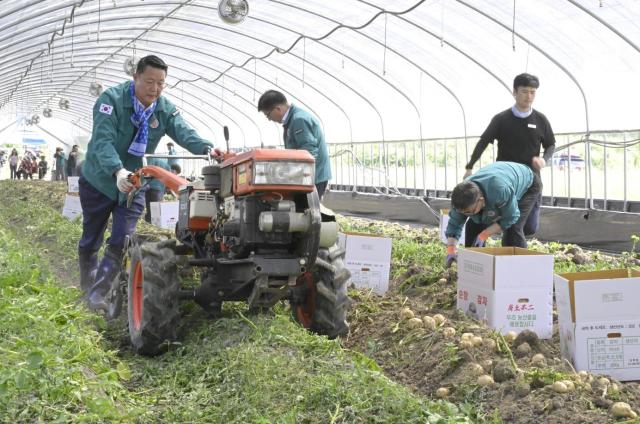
x: 324, y: 308
x: 153, y: 296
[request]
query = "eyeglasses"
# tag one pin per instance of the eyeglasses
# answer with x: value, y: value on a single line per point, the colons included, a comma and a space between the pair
x: 473, y: 209
x: 268, y: 113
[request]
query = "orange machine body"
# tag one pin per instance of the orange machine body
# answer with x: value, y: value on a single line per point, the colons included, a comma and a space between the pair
x: 242, y: 166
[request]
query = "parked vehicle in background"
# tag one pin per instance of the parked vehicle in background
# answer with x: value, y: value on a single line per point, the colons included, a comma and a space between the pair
x: 571, y: 161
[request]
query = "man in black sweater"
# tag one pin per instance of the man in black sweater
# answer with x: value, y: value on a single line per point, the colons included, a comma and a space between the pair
x: 520, y: 132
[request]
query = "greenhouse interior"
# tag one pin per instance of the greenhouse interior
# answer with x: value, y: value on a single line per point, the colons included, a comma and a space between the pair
x: 405, y: 99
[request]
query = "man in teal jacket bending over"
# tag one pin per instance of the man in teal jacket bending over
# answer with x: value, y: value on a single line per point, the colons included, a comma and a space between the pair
x: 497, y: 198
x: 301, y: 131
x: 128, y: 121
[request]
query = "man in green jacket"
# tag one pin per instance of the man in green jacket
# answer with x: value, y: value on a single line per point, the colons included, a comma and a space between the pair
x: 301, y: 131
x: 128, y: 121
x: 497, y: 198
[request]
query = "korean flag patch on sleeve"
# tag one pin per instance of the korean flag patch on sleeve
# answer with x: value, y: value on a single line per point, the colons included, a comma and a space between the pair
x: 106, y: 109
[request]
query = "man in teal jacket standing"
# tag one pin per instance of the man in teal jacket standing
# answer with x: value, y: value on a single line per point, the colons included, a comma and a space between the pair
x: 301, y: 131
x: 497, y: 198
x: 128, y: 121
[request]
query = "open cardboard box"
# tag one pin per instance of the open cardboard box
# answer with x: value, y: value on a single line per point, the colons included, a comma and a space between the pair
x: 599, y: 321
x: 509, y: 288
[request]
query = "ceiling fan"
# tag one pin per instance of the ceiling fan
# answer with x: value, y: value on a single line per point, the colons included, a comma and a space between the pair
x: 129, y: 65
x: 95, y: 88
x: 233, y: 11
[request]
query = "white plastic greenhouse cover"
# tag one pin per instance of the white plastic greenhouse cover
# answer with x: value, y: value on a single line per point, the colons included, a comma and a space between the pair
x: 368, y: 69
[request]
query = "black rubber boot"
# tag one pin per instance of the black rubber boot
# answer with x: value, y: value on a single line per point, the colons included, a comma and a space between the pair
x: 88, y: 262
x: 108, y: 269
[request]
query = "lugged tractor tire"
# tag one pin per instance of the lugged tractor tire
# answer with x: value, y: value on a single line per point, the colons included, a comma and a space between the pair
x: 153, y: 302
x: 324, y: 310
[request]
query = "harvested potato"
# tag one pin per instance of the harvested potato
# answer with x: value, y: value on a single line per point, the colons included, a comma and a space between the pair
x: 406, y: 314
x: 570, y: 386
x: 538, y: 360
x: 467, y: 336
x: 449, y: 332
x: 559, y: 387
x: 442, y: 281
x: 477, y: 370
x: 442, y: 392
x: 414, y: 323
x: 440, y: 319
x: 485, y: 380
x: 510, y: 336
x: 429, y: 322
x: 477, y: 341
x: 622, y: 410
x: 489, y: 344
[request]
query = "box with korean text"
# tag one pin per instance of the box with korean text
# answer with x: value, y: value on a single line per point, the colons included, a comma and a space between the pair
x: 509, y: 288
x: 599, y: 321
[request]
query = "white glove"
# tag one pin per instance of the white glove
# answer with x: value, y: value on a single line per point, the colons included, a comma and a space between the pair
x: 122, y: 181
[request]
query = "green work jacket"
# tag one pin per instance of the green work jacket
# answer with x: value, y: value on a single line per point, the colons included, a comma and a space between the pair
x: 302, y: 131
x: 502, y: 184
x: 113, y: 132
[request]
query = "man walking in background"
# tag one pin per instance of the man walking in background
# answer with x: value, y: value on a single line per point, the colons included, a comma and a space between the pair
x: 520, y: 131
x: 301, y: 131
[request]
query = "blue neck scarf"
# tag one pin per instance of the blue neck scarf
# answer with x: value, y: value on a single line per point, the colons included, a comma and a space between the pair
x: 140, y: 120
x: 518, y: 114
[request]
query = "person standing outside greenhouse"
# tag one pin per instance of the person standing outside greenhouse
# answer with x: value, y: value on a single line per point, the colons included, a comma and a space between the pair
x: 498, y: 198
x: 128, y: 121
x: 301, y: 131
x: 521, y: 131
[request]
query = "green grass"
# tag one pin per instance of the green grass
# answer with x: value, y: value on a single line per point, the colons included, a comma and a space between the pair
x: 60, y: 363
x: 54, y: 364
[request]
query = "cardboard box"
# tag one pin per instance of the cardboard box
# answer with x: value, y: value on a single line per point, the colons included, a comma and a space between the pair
x: 164, y: 214
x: 599, y: 321
x: 369, y: 260
x: 72, y: 207
x: 73, y: 184
x: 444, y: 221
x: 508, y: 288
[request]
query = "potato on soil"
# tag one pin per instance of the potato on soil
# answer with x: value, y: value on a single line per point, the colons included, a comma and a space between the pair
x: 538, y: 360
x: 477, y: 341
x: 510, y: 336
x: 559, y: 387
x: 449, y: 332
x: 414, y: 323
x: 429, y: 322
x: 485, y: 380
x: 476, y: 369
x: 622, y: 410
x: 442, y: 392
x: 466, y: 336
x: 406, y: 314
x: 440, y: 319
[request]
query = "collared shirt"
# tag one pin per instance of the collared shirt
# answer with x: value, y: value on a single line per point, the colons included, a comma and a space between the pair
x: 286, y: 115
x: 519, y: 114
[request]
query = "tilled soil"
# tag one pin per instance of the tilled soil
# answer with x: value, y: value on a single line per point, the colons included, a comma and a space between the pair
x: 427, y: 360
